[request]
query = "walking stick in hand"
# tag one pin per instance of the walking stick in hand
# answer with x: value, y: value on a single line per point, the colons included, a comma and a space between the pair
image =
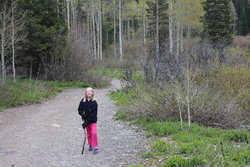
x: 84, y: 140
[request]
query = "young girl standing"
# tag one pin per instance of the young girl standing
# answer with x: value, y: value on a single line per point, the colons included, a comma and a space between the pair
x: 88, y: 111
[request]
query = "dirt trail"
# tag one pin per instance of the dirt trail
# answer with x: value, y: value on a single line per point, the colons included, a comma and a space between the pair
x: 50, y: 135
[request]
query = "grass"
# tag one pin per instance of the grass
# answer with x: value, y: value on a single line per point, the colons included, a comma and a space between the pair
x: 31, y: 91
x: 190, y: 146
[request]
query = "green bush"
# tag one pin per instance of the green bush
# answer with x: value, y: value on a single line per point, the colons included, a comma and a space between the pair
x: 237, y: 136
x: 185, y: 137
x: 243, y: 157
x: 176, y: 161
x: 121, y: 115
x: 197, y: 160
x: 192, y: 147
x: 163, y: 128
x: 163, y: 147
x: 31, y: 91
x: 147, y: 155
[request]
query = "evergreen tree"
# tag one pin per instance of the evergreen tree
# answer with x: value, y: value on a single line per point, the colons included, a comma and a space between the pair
x: 217, y: 22
x: 45, y: 26
x: 243, y: 22
x: 163, y: 20
x: 243, y: 12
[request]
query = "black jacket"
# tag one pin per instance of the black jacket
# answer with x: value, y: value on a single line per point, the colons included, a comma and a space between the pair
x: 88, y: 110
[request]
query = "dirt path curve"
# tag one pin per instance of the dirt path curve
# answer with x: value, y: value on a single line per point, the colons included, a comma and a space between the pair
x: 50, y: 135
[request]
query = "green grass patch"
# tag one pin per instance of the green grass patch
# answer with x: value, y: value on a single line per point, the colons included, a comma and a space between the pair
x: 122, y: 98
x: 31, y: 91
x: 147, y: 155
x: 121, y: 115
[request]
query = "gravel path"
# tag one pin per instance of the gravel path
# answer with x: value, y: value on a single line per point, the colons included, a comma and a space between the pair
x: 50, y: 135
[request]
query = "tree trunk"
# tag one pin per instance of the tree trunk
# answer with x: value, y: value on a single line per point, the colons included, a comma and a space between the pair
x: 128, y: 30
x: 144, y: 25
x: 188, y: 35
x: 94, y: 30
x: 68, y: 14
x: 120, y: 30
x: 13, y: 41
x: 181, y: 38
x: 89, y: 31
x: 100, y: 28
x: 178, y: 38
x: 3, y: 43
x: 171, y: 41
x: 114, y: 29
x: 157, y: 45
x: 73, y: 12
x: 98, y: 33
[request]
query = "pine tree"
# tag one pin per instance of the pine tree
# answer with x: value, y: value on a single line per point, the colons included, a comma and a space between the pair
x: 152, y: 20
x: 243, y: 13
x: 44, y: 27
x: 217, y: 22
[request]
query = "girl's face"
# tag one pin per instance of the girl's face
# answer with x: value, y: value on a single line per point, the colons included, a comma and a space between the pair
x: 89, y: 92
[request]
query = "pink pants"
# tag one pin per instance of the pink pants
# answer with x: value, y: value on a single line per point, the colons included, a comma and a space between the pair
x: 92, y: 135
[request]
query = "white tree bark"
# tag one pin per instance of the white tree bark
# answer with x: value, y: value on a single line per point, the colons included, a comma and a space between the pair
x: 98, y: 34
x: 144, y: 25
x: 188, y: 98
x: 100, y: 27
x: 171, y: 40
x: 13, y: 40
x: 68, y: 14
x: 73, y: 13
x: 3, y: 16
x: 114, y: 7
x: 94, y: 30
x: 120, y: 30
x: 181, y: 38
x: 157, y: 45
x: 89, y: 31
x: 178, y: 38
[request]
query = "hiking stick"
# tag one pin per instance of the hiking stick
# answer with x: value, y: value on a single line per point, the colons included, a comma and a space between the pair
x: 84, y: 140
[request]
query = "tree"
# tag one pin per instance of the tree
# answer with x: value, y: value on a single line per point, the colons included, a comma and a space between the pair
x: 243, y: 21
x: 17, y: 36
x: 217, y: 22
x: 171, y: 22
x: 45, y: 29
x: 242, y: 8
x: 120, y: 30
x: 4, y: 15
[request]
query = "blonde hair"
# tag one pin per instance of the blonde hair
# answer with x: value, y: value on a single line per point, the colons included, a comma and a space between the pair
x: 85, y: 96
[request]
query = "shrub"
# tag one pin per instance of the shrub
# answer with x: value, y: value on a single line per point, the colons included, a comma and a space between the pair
x: 176, y: 161
x: 237, y: 136
x: 163, y: 147
x: 147, y: 155
x: 185, y: 137
x: 243, y: 157
x: 121, y: 115
x: 191, y: 147
x: 197, y: 160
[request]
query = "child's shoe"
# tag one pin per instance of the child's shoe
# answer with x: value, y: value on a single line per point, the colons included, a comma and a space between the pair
x: 95, y: 150
x: 90, y: 148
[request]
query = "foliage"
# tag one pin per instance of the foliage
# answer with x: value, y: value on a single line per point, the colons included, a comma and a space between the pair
x: 31, y: 91
x: 197, y: 145
x: 217, y: 22
x: 243, y: 14
x: 45, y: 27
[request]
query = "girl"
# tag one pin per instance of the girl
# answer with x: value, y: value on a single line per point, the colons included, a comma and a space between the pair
x: 88, y: 111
